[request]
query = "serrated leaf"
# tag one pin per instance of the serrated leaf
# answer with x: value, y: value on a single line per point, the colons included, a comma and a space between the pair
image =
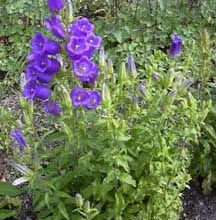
x: 6, y: 189
x: 127, y: 178
x: 122, y: 161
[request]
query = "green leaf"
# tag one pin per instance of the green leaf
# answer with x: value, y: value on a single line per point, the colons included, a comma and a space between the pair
x: 5, y: 213
x: 127, y: 178
x: 123, y: 137
x: 119, y: 204
x: 118, y: 36
x: 93, y: 213
x: 6, y: 189
x: 63, y: 210
x: 122, y: 161
x: 210, y: 130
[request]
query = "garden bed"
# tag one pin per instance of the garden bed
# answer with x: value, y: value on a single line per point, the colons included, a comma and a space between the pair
x: 196, y: 205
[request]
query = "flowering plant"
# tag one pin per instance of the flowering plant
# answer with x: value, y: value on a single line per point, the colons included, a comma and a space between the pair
x: 116, y: 154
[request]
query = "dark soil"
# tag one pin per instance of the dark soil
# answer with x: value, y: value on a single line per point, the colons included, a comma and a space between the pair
x: 26, y: 212
x: 197, y: 206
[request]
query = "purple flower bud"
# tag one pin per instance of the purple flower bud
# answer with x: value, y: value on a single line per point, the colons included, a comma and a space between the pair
x: 172, y: 93
x: 176, y: 45
x: 55, y: 5
x: 78, y: 96
x: 52, y: 108
x: 17, y: 136
x: 42, y: 92
x: 188, y: 82
x: 29, y: 90
x: 142, y: 87
x: 32, y: 90
x: 42, y: 44
x: 155, y: 76
x: 93, y: 100
x: 53, y: 24
x: 85, y: 70
x: 131, y: 65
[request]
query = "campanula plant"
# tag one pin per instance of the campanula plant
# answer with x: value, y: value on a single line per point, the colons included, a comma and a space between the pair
x: 118, y: 145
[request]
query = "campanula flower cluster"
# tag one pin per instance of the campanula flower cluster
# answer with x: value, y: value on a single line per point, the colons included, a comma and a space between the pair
x: 42, y: 66
x: 80, y: 48
x: 42, y: 62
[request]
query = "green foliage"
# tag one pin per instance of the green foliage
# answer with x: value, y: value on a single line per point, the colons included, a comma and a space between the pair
x: 7, y: 189
x: 18, y: 21
x: 147, y: 25
x: 7, y: 120
x: 128, y: 159
x: 5, y: 213
x: 203, y: 163
x: 9, y: 203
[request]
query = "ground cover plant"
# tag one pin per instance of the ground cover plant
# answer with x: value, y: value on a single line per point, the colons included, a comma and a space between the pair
x: 126, y: 115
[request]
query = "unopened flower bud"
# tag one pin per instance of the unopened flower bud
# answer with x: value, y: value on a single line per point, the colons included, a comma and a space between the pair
x: 136, y: 102
x: 131, y: 66
x: 66, y: 96
x: 106, y: 95
x: 142, y: 87
x: 110, y: 66
x: 68, y: 131
x: 87, y: 206
x: 204, y: 40
x: 79, y: 200
x: 187, y: 83
x: 102, y: 57
x: 155, y: 76
x: 172, y: 96
x: 172, y: 93
x: 19, y: 139
x: 23, y: 81
x: 176, y: 45
x: 21, y: 168
x: 60, y: 59
x: 70, y: 10
x: 170, y: 77
x: 123, y: 73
